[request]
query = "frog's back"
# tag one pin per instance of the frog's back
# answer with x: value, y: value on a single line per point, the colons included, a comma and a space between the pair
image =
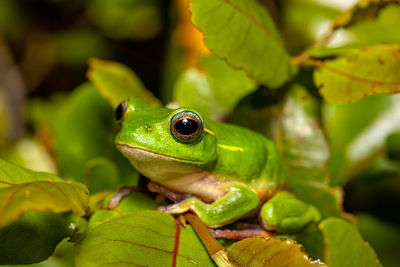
x: 246, y: 156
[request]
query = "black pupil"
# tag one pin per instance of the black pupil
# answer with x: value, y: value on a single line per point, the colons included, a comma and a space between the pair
x: 119, y: 112
x: 186, y: 126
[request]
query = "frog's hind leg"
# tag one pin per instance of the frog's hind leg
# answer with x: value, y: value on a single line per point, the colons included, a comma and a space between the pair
x: 237, y: 201
x: 285, y: 213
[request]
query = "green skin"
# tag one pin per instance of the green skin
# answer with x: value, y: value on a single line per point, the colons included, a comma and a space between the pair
x: 224, y: 176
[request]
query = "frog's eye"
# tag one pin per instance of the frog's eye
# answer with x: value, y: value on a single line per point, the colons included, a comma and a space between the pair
x: 120, y: 111
x: 186, y: 127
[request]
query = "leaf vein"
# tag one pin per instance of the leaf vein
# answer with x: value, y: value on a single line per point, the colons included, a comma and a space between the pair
x: 124, y: 262
x: 144, y: 228
x: 246, y: 35
x: 150, y: 247
x: 353, y: 77
x: 3, y: 210
x: 260, y: 251
x: 254, y: 20
x: 230, y: 17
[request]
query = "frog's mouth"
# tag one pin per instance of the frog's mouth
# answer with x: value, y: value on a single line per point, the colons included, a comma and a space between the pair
x: 138, y: 154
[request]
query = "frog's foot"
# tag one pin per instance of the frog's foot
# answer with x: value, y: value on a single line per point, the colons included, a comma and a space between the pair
x: 118, y: 196
x: 167, y: 193
x: 284, y: 213
x: 238, y: 201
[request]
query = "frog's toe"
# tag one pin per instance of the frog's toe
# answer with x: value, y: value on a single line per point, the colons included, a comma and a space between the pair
x: 176, y: 208
x: 124, y: 191
x: 286, y: 214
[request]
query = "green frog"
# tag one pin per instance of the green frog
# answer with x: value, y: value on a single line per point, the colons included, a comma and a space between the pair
x: 220, y: 171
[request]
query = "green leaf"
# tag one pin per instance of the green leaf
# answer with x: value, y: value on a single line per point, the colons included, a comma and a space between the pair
x: 300, y: 138
x: 244, y: 34
x: 148, y: 238
x: 213, y: 88
x: 368, y: 71
x: 363, y: 10
x: 133, y: 202
x: 36, y: 213
x: 88, y: 114
x: 357, y: 133
x: 11, y: 174
x: 345, y: 246
x: 258, y: 251
x: 41, y: 196
x: 383, y: 29
x: 382, y: 236
x: 116, y: 82
x: 326, y: 52
x: 34, y: 236
x: 22, y: 190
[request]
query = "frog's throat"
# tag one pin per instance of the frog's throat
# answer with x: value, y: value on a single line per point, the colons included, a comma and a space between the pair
x: 160, y: 168
x: 138, y: 153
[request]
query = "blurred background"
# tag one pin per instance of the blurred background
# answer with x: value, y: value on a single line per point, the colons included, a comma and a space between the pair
x: 45, y: 46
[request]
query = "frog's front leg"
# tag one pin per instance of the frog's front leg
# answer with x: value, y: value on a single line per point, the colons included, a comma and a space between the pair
x: 237, y: 201
x: 285, y: 213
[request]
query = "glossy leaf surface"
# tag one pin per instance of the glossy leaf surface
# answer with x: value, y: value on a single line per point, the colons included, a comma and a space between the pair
x: 117, y: 82
x: 345, y: 246
x: 213, y: 88
x: 148, y: 238
x: 244, y: 34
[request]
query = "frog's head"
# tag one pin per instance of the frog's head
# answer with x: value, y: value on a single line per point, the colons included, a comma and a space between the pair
x: 162, y: 143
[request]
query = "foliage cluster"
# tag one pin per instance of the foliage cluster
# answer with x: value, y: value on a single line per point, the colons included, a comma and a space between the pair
x: 324, y: 99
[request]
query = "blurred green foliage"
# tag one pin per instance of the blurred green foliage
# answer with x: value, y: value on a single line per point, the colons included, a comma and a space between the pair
x: 339, y: 156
